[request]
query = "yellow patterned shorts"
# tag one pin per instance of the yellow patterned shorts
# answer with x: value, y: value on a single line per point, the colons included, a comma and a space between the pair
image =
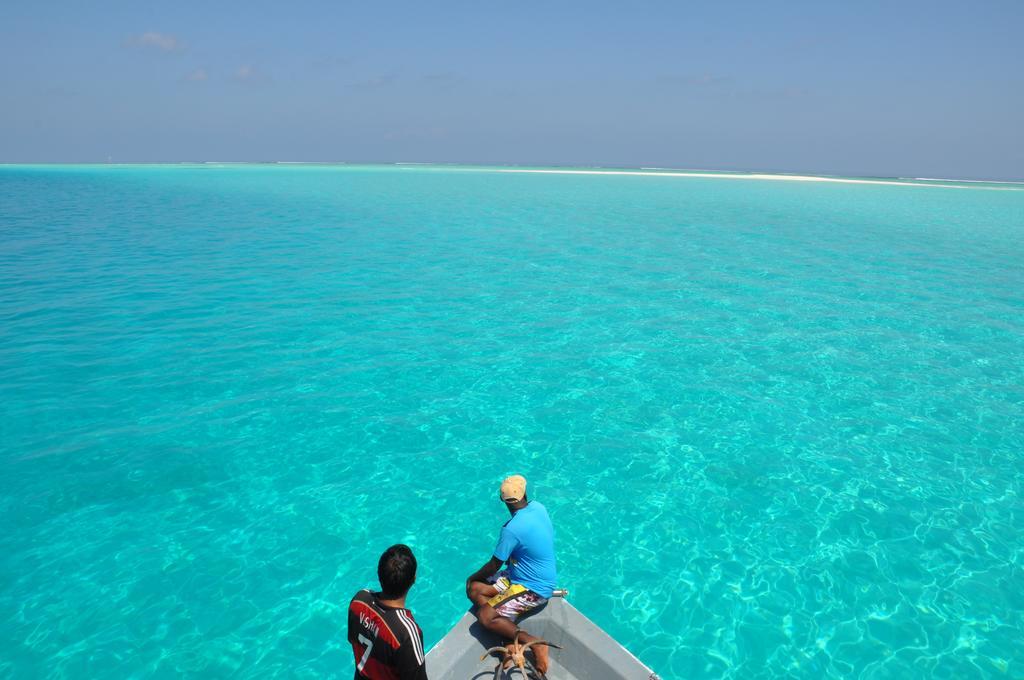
x: 513, y: 599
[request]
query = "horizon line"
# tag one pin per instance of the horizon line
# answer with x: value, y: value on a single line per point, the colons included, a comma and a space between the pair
x: 541, y: 168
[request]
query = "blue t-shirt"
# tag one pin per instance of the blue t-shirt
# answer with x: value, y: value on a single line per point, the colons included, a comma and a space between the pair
x: 527, y: 543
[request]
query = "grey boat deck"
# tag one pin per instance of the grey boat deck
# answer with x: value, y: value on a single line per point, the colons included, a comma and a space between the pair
x: 587, y: 651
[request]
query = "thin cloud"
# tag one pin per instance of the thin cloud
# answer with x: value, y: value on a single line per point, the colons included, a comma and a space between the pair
x: 375, y: 83
x: 155, y: 40
x: 445, y: 80
x: 247, y: 73
x: 327, y: 63
x: 197, y: 76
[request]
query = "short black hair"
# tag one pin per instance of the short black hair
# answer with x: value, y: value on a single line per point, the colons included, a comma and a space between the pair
x: 519, y: 504
x: 396, y: 571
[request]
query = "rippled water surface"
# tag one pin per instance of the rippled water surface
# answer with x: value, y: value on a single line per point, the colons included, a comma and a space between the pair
x: 779, y: 426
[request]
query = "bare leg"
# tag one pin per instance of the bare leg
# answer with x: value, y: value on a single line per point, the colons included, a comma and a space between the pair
x: 496, y: 623
x: 479, y: 592
x: 540, y: 653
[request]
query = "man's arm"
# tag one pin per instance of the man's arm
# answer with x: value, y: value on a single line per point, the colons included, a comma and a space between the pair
x: 484, y: 572
x: 411, y: 662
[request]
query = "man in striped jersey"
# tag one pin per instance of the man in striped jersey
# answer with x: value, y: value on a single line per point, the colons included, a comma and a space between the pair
x: 386, y: 641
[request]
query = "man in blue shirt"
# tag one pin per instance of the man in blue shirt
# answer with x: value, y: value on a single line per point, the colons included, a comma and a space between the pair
x: 527, y: 544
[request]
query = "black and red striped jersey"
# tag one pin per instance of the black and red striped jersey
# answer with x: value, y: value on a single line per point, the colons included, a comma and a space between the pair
x: 387, y: 641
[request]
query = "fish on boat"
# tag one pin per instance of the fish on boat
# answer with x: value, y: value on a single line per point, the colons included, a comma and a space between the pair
x: 585, y: 651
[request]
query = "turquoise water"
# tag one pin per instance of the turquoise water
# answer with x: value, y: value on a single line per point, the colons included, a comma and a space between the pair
x: 779, y: 425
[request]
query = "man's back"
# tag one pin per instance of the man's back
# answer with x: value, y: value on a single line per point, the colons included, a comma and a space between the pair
x: 386, y: 641
x: 530, y: 538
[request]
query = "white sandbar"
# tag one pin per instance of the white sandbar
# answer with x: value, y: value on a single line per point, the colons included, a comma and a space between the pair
x: 757, y: 176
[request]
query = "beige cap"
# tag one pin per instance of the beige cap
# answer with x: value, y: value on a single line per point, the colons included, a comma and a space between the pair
x: 513, y: 489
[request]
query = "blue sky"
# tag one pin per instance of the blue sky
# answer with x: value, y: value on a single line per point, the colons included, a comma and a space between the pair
x: 886, y: 88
